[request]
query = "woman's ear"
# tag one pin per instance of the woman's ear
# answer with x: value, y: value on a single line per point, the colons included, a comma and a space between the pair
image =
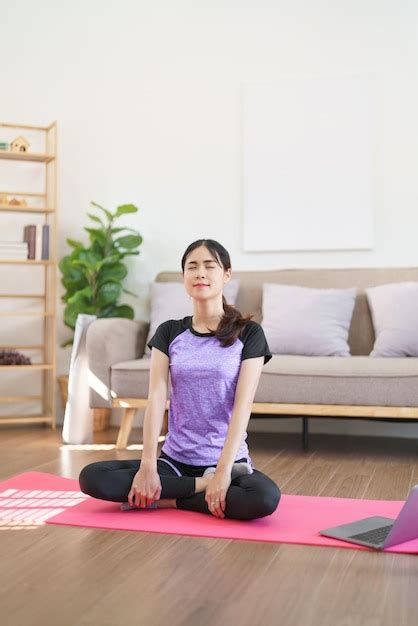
x: 227, y: 276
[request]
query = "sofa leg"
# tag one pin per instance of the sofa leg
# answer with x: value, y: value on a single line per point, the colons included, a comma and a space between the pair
x: 125, y: 428
x: 305, y: 433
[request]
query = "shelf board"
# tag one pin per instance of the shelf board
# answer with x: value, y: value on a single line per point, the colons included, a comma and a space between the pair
x: 26, y: 156
x: 26, y: 126
x: 26, y: 419
x: 26, y: 262
x: 25, y: 209
x: 36, y: 366
x: 24, y: 193
x: 11, y: 399
x: 13, y: 346
x: 22, y: 295
x: 29, y: 314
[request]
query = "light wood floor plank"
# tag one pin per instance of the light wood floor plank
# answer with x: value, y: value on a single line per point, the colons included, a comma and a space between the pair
x: 89, y: 577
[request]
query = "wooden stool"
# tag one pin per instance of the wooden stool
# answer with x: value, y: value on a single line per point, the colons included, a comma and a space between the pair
x: 130, y: 406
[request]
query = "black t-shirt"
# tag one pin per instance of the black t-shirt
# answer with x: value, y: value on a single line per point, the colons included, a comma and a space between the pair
x: 204, y: 376
x: 252, y: 337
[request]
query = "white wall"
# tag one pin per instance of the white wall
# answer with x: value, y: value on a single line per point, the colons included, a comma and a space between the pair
x: 146, y: 94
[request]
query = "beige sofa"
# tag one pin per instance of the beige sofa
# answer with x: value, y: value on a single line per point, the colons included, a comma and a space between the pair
x: 357, y: 386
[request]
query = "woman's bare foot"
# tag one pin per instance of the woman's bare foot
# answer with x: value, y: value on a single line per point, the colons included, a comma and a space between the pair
x: 167, y: 503
x: 202, y: 482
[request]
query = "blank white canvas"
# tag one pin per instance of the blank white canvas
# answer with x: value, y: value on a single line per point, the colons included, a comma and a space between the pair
x: 307, y: 164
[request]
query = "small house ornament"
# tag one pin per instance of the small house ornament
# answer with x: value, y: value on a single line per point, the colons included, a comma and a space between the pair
x: 16, y: 202
x: 20, y: 144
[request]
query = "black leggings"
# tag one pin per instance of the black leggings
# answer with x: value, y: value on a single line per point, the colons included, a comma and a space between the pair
x: 249, y: 496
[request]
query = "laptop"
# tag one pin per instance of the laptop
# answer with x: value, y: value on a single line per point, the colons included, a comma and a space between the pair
x: 381, y: 532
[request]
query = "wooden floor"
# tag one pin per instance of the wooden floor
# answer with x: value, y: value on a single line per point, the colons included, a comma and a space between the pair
x: 57, y: 575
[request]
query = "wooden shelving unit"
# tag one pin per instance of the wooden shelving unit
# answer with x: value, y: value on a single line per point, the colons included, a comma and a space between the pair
x: 46, y: 345
x: 18, y: 156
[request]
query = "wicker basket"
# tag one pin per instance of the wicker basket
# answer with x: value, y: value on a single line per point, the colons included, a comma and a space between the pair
x: 101, y: 417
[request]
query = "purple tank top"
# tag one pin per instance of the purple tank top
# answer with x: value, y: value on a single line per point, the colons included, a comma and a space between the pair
x: 203, y: 378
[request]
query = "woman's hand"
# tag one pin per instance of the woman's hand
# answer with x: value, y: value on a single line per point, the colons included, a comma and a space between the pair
x: 146, y: 487
x: 216, y: 492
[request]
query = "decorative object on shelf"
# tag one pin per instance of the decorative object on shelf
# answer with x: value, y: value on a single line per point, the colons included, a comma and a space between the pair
x: 20, y: 144
x: 14, y: 250
x: 12, y: 357
x: 92, y: 275
x: 4, y: 145
x: 16, y: 202
x: 37, y: 238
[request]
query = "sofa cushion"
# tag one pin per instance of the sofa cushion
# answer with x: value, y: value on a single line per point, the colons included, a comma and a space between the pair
x: 361, y: 337
x: 394, y: 309
x: 170, y: 301
x: 358, y: 380
x: 130, y: 379
x: 307, y: 321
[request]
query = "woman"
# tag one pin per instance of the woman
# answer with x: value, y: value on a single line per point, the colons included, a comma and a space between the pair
x: 215, y: 358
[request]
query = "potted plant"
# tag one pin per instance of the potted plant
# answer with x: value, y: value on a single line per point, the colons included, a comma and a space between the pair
x: 93, y: 274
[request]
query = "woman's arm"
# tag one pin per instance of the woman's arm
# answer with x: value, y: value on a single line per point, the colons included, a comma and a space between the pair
x: 156, y: 405
x: 249, y: 376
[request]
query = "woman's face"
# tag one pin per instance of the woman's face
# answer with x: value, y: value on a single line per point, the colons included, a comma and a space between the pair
x: 204, y: 277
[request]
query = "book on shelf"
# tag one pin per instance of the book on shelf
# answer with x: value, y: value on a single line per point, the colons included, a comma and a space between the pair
x: 13, y: 250
x: 37, y: 238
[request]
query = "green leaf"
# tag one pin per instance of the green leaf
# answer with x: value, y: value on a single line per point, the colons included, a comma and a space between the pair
x: 108, y: 213
x: 110, y: 260
x: 129, y: 241
x: 96, y: 219
x: 88, y: 259
x: 73, y: 278
x: 130, y: 253
x: 108, y: 311
x: 83, y: 297
x: 117, y: 230
x: 108, y: 293
x: 131, y: 293
x: 71, y: 312
x: 90, y: 256
x: 122, y: 310
x: 72, y: 285
x: 88, y: 269
x: 97, y: 234
x: 114, y: 271
x: 74, y: 243
x: 126, y: 208
x: 69, y: 342
x: 64, y: 264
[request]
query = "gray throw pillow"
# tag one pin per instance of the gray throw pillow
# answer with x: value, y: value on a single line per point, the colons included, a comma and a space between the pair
x: 307, y: 321
x: 394, y: 310
x: 170, y: 301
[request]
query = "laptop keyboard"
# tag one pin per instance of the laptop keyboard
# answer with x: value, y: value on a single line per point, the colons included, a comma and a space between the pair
x: 376, y: 536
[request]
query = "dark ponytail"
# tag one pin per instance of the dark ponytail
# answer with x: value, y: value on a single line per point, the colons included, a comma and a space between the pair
x: 232, y: 322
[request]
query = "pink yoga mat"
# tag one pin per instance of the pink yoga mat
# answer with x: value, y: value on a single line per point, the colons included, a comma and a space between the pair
x: 46, y: 498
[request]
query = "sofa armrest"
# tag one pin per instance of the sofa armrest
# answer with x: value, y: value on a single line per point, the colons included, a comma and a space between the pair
x: 108, y: 341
